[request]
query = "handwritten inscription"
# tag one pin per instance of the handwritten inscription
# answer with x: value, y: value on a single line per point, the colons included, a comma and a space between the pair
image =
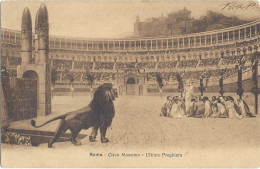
x: 237, y: 5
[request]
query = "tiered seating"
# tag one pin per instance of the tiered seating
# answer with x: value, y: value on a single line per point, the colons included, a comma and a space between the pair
x: 129, y: 65
x: 12, y: 72
x: 14, y: 61
x: 148, y: 65
x: 62, y: 64
x: 83, y: 65
x: 100, y: 76
x: 209, y: 62
x: 58, y: 75
x: 76, y: 76
x: 166, y: 65
x: 188, y: 63
x: 165, y: 76
x: 230, y: 72
x: 104, y: 65
x: 230, y: 60
x: 192, y: 75
x: 107, y: 76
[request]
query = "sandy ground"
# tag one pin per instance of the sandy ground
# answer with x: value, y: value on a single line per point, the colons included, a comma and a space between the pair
x: 138, y: 129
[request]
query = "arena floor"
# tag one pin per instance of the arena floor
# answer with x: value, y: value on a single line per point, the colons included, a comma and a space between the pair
x: 137, y: 127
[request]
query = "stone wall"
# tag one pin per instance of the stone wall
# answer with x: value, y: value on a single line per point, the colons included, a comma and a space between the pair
x: 20, y: 95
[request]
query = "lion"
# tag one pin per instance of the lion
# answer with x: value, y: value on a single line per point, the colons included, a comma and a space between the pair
x: 98, y: 114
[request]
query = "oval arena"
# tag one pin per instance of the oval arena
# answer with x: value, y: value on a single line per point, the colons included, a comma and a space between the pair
x: 131, y: 64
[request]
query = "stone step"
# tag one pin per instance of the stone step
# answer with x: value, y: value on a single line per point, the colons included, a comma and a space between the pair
x: 40, y: 137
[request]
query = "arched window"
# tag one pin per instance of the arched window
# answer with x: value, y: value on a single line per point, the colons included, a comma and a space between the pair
x: 206, y: 55
x: 147, y: 58
x: 250, y: 49
x: 211, y: 55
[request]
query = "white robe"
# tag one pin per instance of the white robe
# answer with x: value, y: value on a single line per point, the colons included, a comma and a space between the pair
x: 232, y: 113
x: 177, y: 110
x: 188, y: 96
x: 207, y: 109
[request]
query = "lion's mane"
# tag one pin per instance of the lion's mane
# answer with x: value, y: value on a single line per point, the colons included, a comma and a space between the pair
x: 102, y: 104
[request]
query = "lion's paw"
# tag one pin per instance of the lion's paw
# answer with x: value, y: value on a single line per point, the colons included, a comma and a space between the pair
x: 105, y: 140
x: 50, y: 146
x: 92, y: 139
x: 76, y: 143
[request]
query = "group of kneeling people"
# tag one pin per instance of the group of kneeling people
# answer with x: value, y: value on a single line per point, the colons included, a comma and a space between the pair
x: 203, y: 107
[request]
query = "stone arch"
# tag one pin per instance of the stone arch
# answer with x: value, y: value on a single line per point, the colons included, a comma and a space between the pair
x: 30, y: 74
x: 131, y: 81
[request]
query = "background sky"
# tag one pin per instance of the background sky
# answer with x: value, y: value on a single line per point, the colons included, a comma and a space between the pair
x: 110, y: 19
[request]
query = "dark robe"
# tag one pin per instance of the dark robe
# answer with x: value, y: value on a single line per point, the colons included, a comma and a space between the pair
x: 247, y: 110
x: 198, y: 109
x: 237, y: 108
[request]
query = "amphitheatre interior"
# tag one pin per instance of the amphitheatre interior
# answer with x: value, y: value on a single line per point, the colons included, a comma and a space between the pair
x: 131, y: 64
x: 44, y: 72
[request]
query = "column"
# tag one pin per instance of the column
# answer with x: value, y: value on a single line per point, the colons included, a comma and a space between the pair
x: 239, y: 34
x: 250, y: 32
x: 73, y: 63
x: 124, y: 45
x: 114, y: 45
x: 189, y: 41
x: 211, y: 39
x: 82, y: 44
x: 151, y: 44
x: 167, y: 43
x: 245, y: 33
x: 178, y: 45
x: 81, y: 76
x: 222, y: 37
x: 135, y: 45
x: 156, y: 44
x: 60, y: 76
x: 228, y: 36
x: 200, y: 40
x: 255, y: 30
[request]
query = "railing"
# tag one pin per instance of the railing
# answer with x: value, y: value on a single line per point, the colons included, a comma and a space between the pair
x: 209, y: 38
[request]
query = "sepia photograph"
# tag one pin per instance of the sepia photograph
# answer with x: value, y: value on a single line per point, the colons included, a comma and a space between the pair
x: 130, y: 84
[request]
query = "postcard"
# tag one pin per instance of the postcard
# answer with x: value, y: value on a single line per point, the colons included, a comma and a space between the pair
x: 130, y: 84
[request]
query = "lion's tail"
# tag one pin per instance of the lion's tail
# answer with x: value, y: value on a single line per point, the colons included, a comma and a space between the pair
x: 33, y: 123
